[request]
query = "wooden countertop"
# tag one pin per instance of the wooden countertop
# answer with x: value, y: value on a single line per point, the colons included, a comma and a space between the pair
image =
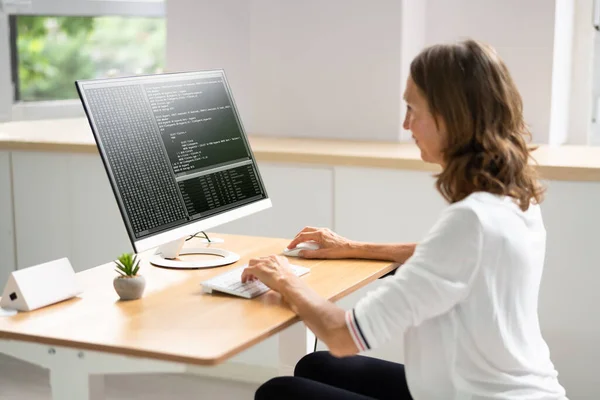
x: 174, y: 320
x: 572, y: 163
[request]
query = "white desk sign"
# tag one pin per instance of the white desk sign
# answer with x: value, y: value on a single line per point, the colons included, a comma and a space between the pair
x: 41, y: 285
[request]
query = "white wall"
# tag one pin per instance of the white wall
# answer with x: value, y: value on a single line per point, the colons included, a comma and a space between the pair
x: 581, y: 106
x: 5, y: 77
x: 307, y: 68
x: 596, y: 90
x: 412, y: 42
x: 561, y: 71
x: 7, y: 235
x: 523, y: 34
x: 337, y: 68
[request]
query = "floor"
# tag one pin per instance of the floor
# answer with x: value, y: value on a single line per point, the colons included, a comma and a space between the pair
x: 24, y: 381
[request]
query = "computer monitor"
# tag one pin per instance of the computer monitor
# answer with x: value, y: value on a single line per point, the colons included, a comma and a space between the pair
x: 177, y: 158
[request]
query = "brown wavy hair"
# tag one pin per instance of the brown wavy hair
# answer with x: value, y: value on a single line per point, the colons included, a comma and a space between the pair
x: 469, y: 87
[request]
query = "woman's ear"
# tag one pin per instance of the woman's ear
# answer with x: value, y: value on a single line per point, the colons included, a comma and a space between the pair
x: 442, y: 132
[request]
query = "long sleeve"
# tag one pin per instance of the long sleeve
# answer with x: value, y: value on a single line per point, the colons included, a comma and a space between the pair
x: 430, y: 283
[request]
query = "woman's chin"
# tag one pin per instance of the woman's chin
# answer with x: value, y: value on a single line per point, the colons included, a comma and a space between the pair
x: 425, y: 157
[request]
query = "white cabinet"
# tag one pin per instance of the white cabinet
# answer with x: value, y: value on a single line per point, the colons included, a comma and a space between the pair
x: 300, y: 195
x: 64, y: 207
x: 382, y: 205
x: 7, y: 236
x: 569, y: 296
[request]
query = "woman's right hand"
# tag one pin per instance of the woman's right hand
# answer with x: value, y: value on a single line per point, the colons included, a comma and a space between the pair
x: 331, y: 245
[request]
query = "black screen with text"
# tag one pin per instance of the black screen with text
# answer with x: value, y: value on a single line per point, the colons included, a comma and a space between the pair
x: 174, y: 149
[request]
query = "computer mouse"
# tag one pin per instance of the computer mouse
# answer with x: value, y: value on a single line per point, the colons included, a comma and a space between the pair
x: 301, y: 246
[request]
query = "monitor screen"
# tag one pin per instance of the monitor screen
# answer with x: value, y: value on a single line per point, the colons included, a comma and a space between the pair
x: 175, y: 152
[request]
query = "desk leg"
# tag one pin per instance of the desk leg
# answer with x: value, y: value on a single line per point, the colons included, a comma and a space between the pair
x: 294, y: 343
x: 76, y: 385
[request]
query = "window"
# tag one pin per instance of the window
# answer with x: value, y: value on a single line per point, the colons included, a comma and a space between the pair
x: 52, y: 51
x: 45, y: 45
x: 595, y: 132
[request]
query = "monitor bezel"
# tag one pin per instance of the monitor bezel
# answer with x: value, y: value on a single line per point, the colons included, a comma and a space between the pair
x: 190, y: 228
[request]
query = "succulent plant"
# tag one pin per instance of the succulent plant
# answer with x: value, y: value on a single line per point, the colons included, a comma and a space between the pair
x: 128, y: 265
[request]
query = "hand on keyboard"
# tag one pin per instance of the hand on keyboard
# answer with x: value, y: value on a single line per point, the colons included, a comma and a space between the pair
x: 231, y: 282
x: 269, y: 270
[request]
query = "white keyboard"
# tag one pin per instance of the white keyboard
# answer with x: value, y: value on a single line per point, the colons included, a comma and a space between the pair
x: 231, y: 282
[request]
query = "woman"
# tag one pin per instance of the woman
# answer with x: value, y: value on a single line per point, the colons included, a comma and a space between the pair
x: 466, y: 298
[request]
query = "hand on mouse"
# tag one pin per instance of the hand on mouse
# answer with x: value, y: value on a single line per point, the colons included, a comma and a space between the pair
x: 273, y: 271
x: 331, y: 245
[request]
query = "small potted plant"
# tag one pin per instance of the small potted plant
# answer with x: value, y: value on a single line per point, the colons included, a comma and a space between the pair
x: 129, y: 285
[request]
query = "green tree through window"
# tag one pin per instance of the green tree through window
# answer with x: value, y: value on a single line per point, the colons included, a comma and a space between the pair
x: 53, y: 52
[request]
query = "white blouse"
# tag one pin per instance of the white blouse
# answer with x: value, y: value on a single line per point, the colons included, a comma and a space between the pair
x: 466, y: 303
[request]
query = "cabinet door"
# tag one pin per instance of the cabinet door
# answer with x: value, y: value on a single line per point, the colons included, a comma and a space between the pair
x: 7, y: 234
x: 42, y: 203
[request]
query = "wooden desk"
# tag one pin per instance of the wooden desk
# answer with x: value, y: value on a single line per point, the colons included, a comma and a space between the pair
x: 173, y: 325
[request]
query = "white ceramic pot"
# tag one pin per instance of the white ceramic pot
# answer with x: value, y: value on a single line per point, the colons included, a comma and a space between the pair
x: 129, y: 288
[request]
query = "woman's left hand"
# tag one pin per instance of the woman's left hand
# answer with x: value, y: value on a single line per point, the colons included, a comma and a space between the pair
x: 273, y: 271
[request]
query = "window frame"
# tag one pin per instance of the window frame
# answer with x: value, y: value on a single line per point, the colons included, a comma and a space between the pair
x: 11, y: 110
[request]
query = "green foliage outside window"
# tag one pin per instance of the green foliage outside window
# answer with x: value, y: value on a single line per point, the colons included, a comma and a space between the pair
x: 53, y: 52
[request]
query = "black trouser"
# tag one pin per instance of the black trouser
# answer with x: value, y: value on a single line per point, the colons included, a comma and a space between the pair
x: 322, y: 376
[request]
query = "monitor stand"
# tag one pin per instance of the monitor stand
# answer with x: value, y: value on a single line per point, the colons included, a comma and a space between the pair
x: 166, y: 256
